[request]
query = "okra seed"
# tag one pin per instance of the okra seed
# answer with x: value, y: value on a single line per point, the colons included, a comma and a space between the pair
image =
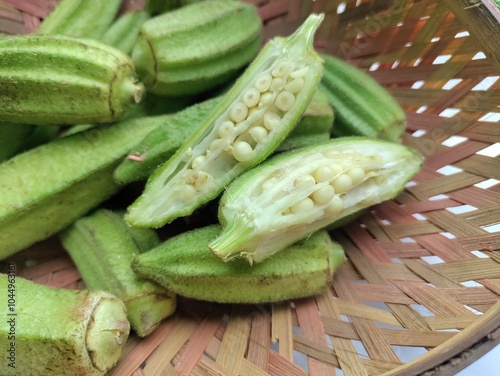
x: 336, y: 168
x: 218, y: 144
x: 282, y: 69
x: 225, y: 129
x: 306, y: 181
x: 295, y: 86
x: 342, y: 183
x: 252, y: 110
x: 357, y: 174
x: 277, y: 84
x: 266, y: 99
x: 263, y: 82
x: 323, y: 173
x: 197, y: 162
x: 202, y: 179
x: 300, y: 72
x: 188, y: 192
x: 271, y: 120
x: 258, y: 133
x: 238, y: 112
x: 251, y: 97
x: 285, y: 100
x: 303, y: 205
x: 324, y: 194
x: 242, y: 151
x: 335, y: 206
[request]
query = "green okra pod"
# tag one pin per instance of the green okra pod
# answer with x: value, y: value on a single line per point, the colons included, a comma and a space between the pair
x: 102, y: 247
x: 362, y: 106
x: 250, y: 122
x: 123, y: 32
x: 186, y: 265
x: 295, y: 193
x: 46, y: 188
x: 197, y: 47
x: 58, y: 332
x: 55, y: 79
x: 80, y: 18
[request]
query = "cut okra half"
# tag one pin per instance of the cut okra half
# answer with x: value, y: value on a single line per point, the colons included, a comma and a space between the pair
x: 254, y: 116
x: 293, y: 194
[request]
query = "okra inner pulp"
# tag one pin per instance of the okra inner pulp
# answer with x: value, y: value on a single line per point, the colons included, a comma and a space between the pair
x: 298, y: 192
x: 244, y: 128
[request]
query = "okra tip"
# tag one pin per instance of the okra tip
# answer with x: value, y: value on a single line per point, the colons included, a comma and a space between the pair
x: 302, y: 40
x: 107, y: 333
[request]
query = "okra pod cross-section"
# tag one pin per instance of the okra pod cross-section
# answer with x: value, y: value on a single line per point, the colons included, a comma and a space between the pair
x: 253, y: 118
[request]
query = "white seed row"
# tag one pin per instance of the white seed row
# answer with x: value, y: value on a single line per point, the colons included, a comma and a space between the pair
x: 248, y: 121
x: 329, y: 182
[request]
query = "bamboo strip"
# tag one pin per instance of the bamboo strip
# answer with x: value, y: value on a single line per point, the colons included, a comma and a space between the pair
x: 312, y: 329
x: 260, y: 340
x: 143, y: 348
x: 483, y: 131
x: 452, y: 155
x: 402, y: 230
x: 353, y: 309
x: 447, y: 322
x: 347, y: 357
x: 445, y: 184
x: 372, y: 339
x: 163, y: 355
x: 469, y: 270
x: 430, y: 274
x: 484, y: 216
x: 281, y: 366
x: 454, y: 224
x: 281, y: 327
x: 432, y: 298
x: 198, y: 341
x: 364, y: 242
x: 481, y: 165
x: 234, y: 342
x: 475, y: 196
x: 381, y: 293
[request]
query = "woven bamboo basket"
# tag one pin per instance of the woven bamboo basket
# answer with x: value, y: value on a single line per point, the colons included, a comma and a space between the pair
x: 422, y: 270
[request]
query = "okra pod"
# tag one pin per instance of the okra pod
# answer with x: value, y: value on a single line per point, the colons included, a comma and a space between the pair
x: 59, y: 332
x: 80, y: 18
x: 55, y: 79
x: 255, y: 115
x: 102, y: 247
x: 197, y: 47
x: 295, y: 193
x: 47, y: 188
x: 186, y: 265
x: 362, y: 106
x: 123, y: 32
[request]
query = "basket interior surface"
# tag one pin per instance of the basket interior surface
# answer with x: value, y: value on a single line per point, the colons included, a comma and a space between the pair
x: 422, y: 270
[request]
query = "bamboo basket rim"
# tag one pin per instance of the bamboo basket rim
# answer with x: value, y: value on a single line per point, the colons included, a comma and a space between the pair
x: 395, y: 42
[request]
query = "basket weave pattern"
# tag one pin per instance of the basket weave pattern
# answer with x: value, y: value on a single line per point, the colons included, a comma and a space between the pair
x: 423, y: 270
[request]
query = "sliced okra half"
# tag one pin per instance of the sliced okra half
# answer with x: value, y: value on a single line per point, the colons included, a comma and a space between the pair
x: 255, y: 115
x: 291, y: 195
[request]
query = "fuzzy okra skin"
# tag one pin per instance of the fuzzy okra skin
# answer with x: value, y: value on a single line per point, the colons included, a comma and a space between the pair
x: 102, y: 247
x: 80, y: 18
x: 45, y: 189
x: 197, y: 47
x: 362, y: 106
x: 253, y: 118
x: 57, y: 332
x: 293, y: 194
x: 186, y: 265
x: 55, y: 79
x: 123, y: 32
